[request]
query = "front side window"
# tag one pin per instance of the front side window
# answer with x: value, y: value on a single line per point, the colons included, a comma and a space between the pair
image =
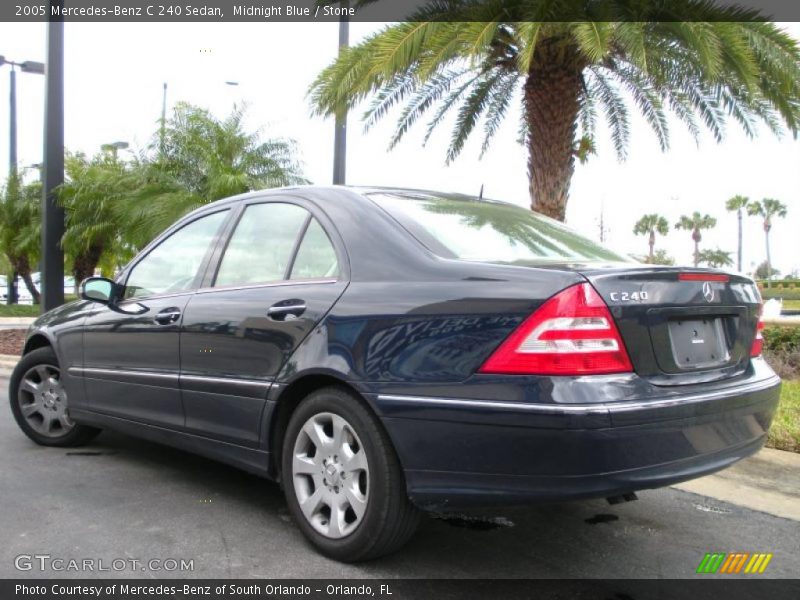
x: 172, y: 266
x: 262, y: 244
x: 475, y: 230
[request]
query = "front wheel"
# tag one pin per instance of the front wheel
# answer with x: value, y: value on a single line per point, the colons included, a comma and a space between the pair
x: 39, y: 402
x: 342, y: 479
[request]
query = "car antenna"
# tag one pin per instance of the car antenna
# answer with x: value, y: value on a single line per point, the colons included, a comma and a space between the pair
x: 480, y: 194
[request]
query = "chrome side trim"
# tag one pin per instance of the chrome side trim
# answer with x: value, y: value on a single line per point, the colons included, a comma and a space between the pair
x: 282, y: 283
x: 88, y: 372
x: 584, y: 409
x: 236, y: 380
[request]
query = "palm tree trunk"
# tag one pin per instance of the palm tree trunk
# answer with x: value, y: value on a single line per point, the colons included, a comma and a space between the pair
x: 696, y: 253
x: 769, y: 260
x: 11, y: 287
x: 652, y: 242
x: 551, y: 107
x: 85, y: 263
x: 22, y: 267
x: 26, y: 277
x: 739, y: 252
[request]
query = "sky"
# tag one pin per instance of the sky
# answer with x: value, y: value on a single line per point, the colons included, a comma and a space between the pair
x: 114, y: 76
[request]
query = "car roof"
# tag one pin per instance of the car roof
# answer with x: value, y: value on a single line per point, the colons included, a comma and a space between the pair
x: 355, y: 192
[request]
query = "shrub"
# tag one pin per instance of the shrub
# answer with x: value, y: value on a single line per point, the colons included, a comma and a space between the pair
x: 782, y: 350
x: 784, y: 293
x: 781, y: 339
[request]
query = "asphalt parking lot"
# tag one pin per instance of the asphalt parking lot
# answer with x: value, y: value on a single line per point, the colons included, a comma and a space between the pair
x: 121, y: 498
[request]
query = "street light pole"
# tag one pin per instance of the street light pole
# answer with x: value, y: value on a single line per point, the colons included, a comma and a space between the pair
x: 12, y: 123
x: 114, y: 148
x: 27, y: 67
x: 340, y: 132
x: 52, y: 214
x: 163, y: 119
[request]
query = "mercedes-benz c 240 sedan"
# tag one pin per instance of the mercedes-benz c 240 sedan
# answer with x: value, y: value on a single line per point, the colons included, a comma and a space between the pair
x: 383, y: 352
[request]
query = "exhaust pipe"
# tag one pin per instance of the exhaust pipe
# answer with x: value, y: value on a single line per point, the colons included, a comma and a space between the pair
x: 629, y: 497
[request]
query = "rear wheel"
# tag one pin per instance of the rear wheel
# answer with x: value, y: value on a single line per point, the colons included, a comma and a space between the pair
x: 39, y: 402
x: 342, y: 479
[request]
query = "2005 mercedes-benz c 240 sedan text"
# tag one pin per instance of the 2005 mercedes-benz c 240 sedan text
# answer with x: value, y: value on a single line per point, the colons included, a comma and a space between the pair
x: 385, y: 351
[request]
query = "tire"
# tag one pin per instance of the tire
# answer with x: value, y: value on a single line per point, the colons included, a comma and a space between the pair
x: 44, y: 415
x: 388, y: 518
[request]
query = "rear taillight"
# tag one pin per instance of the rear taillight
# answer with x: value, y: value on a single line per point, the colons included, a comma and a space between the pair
x: 572, y: 333
x: 758, y: 341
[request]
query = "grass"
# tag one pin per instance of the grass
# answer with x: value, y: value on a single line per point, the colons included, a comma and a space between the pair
x: 785, y: 431
x: 19, y: 310
x: 27, y: 310
x: 785, y: 293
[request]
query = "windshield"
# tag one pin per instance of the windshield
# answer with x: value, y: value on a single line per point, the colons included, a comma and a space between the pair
x: 486, y: 231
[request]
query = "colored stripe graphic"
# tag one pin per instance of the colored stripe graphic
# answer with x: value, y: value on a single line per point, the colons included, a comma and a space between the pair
x: 758, y: 563
x: 711, y: 562
x: 734, y: 562
x: 731, y: 560
x: 741, y: 562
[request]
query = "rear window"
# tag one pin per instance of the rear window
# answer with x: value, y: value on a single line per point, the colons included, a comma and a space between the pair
x: 486, y: 231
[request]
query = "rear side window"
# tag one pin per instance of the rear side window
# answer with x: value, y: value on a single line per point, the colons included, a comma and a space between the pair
x: 484, y: 231
x: 316, y: 257
x: 261, y: 247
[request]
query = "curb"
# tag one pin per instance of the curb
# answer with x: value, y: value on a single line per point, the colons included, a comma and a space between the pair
x: 16, y: 321
x: 768, y: 481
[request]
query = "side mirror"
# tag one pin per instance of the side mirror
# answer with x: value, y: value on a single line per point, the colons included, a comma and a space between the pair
x: 97, y: 289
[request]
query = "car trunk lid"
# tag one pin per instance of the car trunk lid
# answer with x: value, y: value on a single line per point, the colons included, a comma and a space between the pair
x: 680, y: 326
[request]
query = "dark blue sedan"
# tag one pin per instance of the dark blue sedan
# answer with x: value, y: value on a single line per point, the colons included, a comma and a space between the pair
x: 383, y: 352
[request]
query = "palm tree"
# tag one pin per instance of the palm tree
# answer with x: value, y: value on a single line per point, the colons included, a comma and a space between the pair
x: 20, y: 228
x: 477, y: 57
x: 716, y: 258
x: 696, y: 223
x: 763, y: 271
x: 738, y: 204
x: 661, y: 258
x: 767, y: 209
x: 202, y: 159
x: 91, y: 197
x: 649, y: 225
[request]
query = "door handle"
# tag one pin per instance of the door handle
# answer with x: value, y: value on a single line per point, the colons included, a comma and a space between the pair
x: 286, y: 310
x: 168, y: 315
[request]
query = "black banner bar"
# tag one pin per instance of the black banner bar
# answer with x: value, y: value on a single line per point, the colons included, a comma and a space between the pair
x: 155, y: 11
x: 400, y: 589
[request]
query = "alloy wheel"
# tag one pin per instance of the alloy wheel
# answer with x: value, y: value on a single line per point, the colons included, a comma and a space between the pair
x: 43, y: 401
x: 330, y: 472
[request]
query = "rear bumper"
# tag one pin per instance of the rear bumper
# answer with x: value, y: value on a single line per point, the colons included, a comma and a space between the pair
x: 467, y: 452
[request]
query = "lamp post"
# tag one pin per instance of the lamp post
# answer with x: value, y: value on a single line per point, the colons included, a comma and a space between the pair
x: 114, y: 148
x: 340, y: 132
x: 53, y: 171
x: 28, y: 66
x: 163, y: 119
x: 37, y: 167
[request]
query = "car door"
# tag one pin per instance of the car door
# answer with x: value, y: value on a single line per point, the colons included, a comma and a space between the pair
x: 279, y: 274
x: 131, y: 349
